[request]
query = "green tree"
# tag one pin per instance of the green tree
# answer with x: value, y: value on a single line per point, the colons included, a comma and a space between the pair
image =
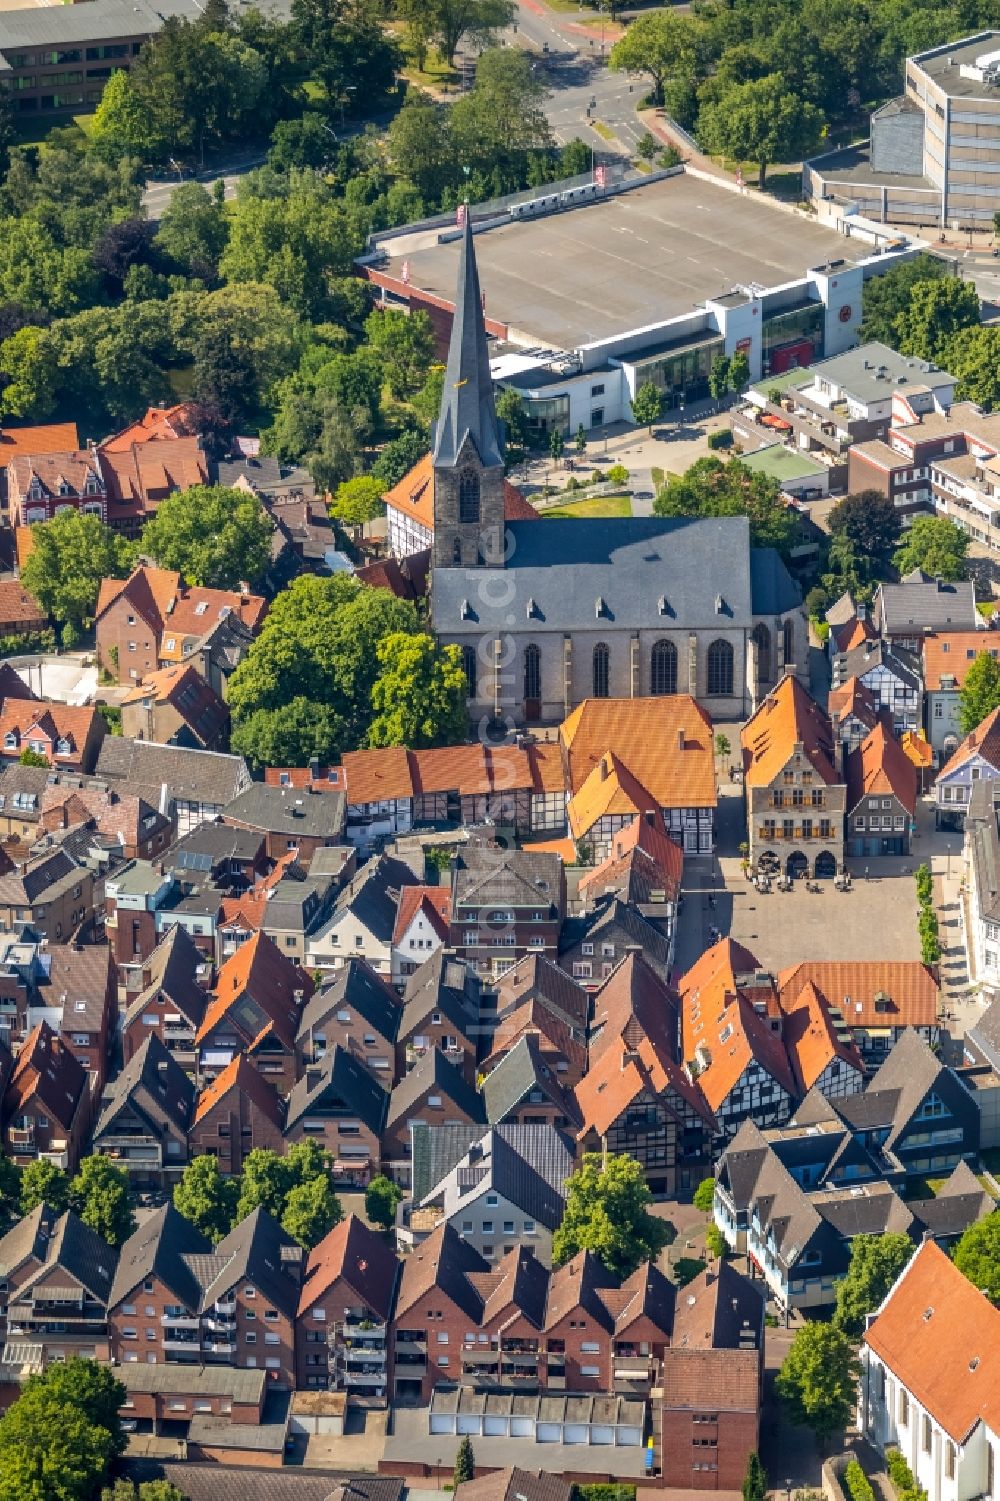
x: 979, y: 695
x: 420, y: 146
x: 121, y: 125
x: 977, y: 1255
x: 876, y: 1262
x: 305, y: 142
x: 581, y: 440
x: 70, y: 556
x: 887, y: 297
x: 289, y: 736
x: 266, y: 1183
x: 206, y: 1198
x: 722, y: 746
x: 211, y: 534
x: 346, y: 49
x: 935, y: 312
x: 607, y: 1212
x: 399, y: 456
x: 718, y: 377
x: 90, y: 1388
x: 419, y: 697
x: 739, y: 372
x: 513, y: 413
x: 382, y: 1199
x: 193, y: 231
x: 358, y: 500
x: 557, y: 445
x: 818, y: 1379
x: 51, y: 1447
x: 935, y: 545
x: 28, y: 360
x: 973, y: 355
x: 761, y: 121
x: 868, y: 525
x: 500, y: 124
x: 101, y: 1195
x: 647, y: 404
x: 28, y: 757
x: 479, y: 20
x: 755, y: 1479
x: 704, y: 1195
x: 311, y: 1211
x: 713, y: 487
x: 10, y: 1193
x: 44, y: 1183
x: 465, y: 1463
x: 404, y: 343
x: 664, y: 45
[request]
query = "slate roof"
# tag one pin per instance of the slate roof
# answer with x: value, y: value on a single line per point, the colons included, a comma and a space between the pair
x: 908, y: 1073
x: 63, y: 1241
x: 153, y: 1071
x: 468, y: 413
x: 355, y: 987
x: 161, y: 1248
x: 443, y: 1260
x: 173, y: 969
x: 908, y: 609
x: 534, y: 977
x: 527, y: 1165
x: 519, y: 1074
x: 610, y: 919
x: 442, y: 983
x: 81, y: 980
x: 961, y: 1201
x: 373, y: 894
x: 260, y: 1251
x: 436, y: 1150
x: 217, y: 1482
x: 513, y: 878
x: 637, y: 573
x: 346, y: 1079
x: 191, y: 775
x: 433, y: 1073
x: 901, y: 663
x: 986, y: 1033
x: 717, y: 1309
x: 288, y: 810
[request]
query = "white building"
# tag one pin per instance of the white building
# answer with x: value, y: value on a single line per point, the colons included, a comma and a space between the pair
x: 930, y: 1380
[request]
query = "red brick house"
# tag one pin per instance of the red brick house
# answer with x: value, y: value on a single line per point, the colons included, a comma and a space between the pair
x: 441, y: 1005
x: 435, y: 1092
x: 340, y: 1104
x: 39, y: 486
x: 345, y: 1302
x: 140, y: 476
x: 47, y: 1262
x: 235, y: 1113
x: 173, y: 1000
x: 153, y: 618
x: 141, y: 831
x: 259, y: 995
x: 145, y: 1116
x: 46, y: 1108
x: 359, y: 1012
x: 84, y: 981
x: 67, y: 737
x: 176, y: 706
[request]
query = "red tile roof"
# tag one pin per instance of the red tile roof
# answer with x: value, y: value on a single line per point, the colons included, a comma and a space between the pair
x: 983, y: 741
x: 241, y: 1075
x: 414, y: 496
x: 721, y: 1029
x: 950, y: 654
x: 433, y: 901
x: 359, y: 1256
x: 666, y: 743
x: 811, y: 1038
x: 854, y: 986
x: 19, y: 607
x: 140, y: 476
x: 259, y: 967
x: 57, y: 721
x: 787, y: 717
x: 853, y: 698
x: 879, y: 767
x: 180, y: 421
x: 50, y: 437
x: 643, y: 855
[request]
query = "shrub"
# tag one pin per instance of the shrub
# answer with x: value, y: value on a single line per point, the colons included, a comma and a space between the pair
x: 618, y: 475
x: 669, y: 157
x: 822, y: 629
x: 721, y: 439
x: 687, y: 1268
x: 604, y: 1493
x: 899, y: 1471
x: 925, y: 885
x: 715, y: 1241
x: 858, y: 1485
x: 704, y: 1195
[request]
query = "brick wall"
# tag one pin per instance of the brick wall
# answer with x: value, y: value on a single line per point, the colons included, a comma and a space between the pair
x: 231, y: 1129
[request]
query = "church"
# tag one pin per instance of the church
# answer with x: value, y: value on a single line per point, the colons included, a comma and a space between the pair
x: 548, y: 613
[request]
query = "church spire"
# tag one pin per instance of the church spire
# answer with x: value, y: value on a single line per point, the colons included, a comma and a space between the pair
x: 467, y: 408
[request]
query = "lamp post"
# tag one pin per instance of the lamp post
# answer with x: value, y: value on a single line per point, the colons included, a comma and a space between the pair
x: 948, y: 848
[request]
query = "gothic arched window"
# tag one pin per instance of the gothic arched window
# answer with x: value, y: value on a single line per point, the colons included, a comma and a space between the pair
x: 532, y: 672
x: 469, y: 668
x: 788, y: 639
x: 663, y: 668
x: 762, y: 636
x: 720, y: 670
x: 602, y: 670
x: 468, y: 497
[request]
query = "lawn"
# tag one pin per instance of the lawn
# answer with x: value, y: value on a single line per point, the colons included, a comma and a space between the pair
x: 598, y: 506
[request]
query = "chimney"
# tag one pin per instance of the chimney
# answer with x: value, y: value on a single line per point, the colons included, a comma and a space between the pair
x: 681, y: 739
x: 605, y: 767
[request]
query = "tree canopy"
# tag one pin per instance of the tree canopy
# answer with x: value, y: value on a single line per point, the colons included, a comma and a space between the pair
x: 70, y: 555
x: 876, y: 1262
x: 979, y: 694
x: 419, y: 696
x: 762, y: 121
x: 607, y: 1212
x: 977, y: 1255
x: 295, y: 1188
x: 58, y: 1440
x: 935, y: 545
x: 818, y: 1379
x: 864, y: 529
x: 212, y: 535
x: 101, y: 1195
x: 712, y: 487
x: 206, y: 1198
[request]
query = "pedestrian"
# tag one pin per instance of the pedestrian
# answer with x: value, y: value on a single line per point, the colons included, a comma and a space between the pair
x: 866, y: 872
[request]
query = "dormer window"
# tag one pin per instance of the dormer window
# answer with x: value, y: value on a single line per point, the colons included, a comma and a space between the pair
x: 62, y: 746
x: 64, y: 488
x: 10, y: 740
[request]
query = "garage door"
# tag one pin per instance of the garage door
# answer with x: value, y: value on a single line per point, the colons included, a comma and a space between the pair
x: 575, y: 1433
x: 602, y: 1433
x: 470, y: 1422
x: 629, y: 1435
x: 522, y: 1427
x: 495, y: 1425
x: 549, y: 1433
x: 442, y: 1422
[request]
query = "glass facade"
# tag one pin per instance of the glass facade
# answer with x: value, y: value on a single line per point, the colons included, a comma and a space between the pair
x: 799, y: 325
x: 547, y: 414
x: 681, y: 374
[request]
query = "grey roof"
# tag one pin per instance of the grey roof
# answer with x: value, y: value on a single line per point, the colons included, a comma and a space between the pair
x: 288, y: 810
x: 343, y: 1076
x: 259, y: 1251
x: 928, y: 605
x: 876, y: 1210
x: 527, y: 1165
x: 618, y: 916
x: 514, y: 878
x: 21, y: 789
x: 227, y: 1482
x: 433, y: 1072
x: 45, y: 876
x: 773, y: 591
x: 858, y: 371
x: 638, y: 572
x: 210, y: 843
x: 160, y: 1248
x: 516, y: 1485
x: 295, y: 905
x: 227, y: 642
x: 200, y: 1381
x: 152, y: 1072
x: 902, y: 664
x: 446, y: 984
x: 986, y: 1033
x: 373, y: 894
x: 519, y: 1073
x: 173, y: 970
x: 80, y: 981
x: 355, y: 987
x: 982, y: 823
x: 467, y: 408
x: 62, y: 1241
x: 103, y: 19
x: 436, y: 1150
x: 196, y: 776
x: 899, y: 1085
x: 262, y: 471
x: 536, y: 977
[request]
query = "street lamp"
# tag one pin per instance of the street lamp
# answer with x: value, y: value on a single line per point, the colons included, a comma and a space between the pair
x: 948, y: 848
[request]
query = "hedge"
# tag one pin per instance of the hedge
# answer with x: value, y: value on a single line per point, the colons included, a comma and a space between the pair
x: 723, y: 438
x: 902, y: 1477
x: 857, y: 1483
x: 604, y: 1493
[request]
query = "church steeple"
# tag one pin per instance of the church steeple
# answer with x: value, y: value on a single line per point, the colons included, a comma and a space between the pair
x: 467, y: 408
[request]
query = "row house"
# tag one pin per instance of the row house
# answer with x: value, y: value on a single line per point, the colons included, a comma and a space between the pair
x: 364, y: 918
x: 339, y: 1104
x: 172, y: 1002
x: 342, y: 1320
x: 795, y: 796
x: 193, y: 785
x: 146, y: 1116
x: 593, y: 945
x: 259, y: 995
x: 71, y: 987
x: 904, y: 613
x: 892, y: 676
x: 902, y: 468
x: 153, y: 618
x: 141, y: 831
x: 445, y: 1007
x: 421, y: 927
x: 69, y: 737
x: 435, y: 1091
x: 643, y: 867
x: 948, y: 655
x: 982, y: 912
x: 881, y: 796
x: 930, y: 1373
x: 235, y: 1114
x: 871, y: 1002
x: 504, y: 904
x: 177, y: 1299
x: 975, y: 759
x: 56, y: 1276
x: 537, y: 1000
x: 505, y: 1188
x: 39, y: 486
x: 47, y: 1103
x: 523, y: 1090
x: 854, y: 713
x: 289, y: 820
x: 358, y: 1012
x: 610, y: 800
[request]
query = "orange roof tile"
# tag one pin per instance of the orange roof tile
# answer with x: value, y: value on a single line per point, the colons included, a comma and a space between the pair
x: 178, y: 421
x: 414, y: 496
x: 375, y: 775
x: 632, y: 1003
x: 665, y: 742
x: 852, y: 986
x: 918, y: 749
x: 24, y: 543
x: 611, y: 790
x: 852, y: 633
x: 787, y: 717
x: 720, y: 1027
x: 433, y: 901
x: 811, y: 1039
x: 50, y: 437
x: 983, y: 741
x: 940, y: 1337
x: 547, y: 768
x: 63, y: 721
x: 239, y: 1074
x: 662, y: 860
x: 853, y: 698
x: 18, y: 606
x: 564, y: 848
x: 880, y: 766
x: 259, y: 966
x: 620, y: 1075
x: 358, y: 1255
x: 950, y: 654
x: 536, y: 1019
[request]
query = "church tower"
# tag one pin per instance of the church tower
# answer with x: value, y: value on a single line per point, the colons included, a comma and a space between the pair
x: 468, y: 442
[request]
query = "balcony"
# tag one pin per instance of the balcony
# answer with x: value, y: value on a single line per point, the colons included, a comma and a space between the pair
x: 177, y: 1341
x: 225, y: 1305
x: 364, y: 1356
x: 172, y: 1321
x: 480, y: 1357
x: 358, y: 1323
x: 219, y: 1346
x: 218, y: 1325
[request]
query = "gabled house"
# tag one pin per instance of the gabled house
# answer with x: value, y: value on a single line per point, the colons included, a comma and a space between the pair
x: 357, y: 1011
x: 140, y: 831
x: 643, y: 867
x: 289, y: 819
x: 152, y: 619
x: 47, y: 1103
x: 903, y: 613
x: 442, y: 1008
x: 854, y: 712
x: 175, y: 706
x: 821, y: 1050
x: 634, y: 1003
x: 342, y: 1320
x: 504, y: 904
x: 873, y: 1000
x: 982, y: 911
x: 173, y: 998
x: 364, y: 918
x: 507, y: 1188
x: 892, y: 676
x: 51, y: 891
x: 421, y: 927
x: 68, y: 737
x: 523, y: 1090
x: 592, y: 946
x: 138, y: 478
x: 234, y: 1114
x: 145, y: 1117
x: 81, y: 989
x: 881, y: 796
x: 57, y: 1276
x: 539, y: 1001
x: 195, y: 784
x: 434, y: 1091
x: 610, y: 800
x: 340, y: 1104
x: 948, y: 655
x: 259, y: 995
x: 39, y: 486
x: 976, y: 759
